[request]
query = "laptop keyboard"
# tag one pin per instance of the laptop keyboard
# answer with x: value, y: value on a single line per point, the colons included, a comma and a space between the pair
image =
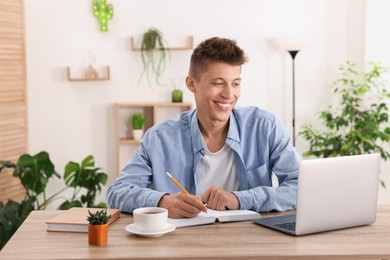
x: 288, y: 226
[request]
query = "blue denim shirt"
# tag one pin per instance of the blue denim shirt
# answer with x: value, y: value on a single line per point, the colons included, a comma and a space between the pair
x: 261, y: 146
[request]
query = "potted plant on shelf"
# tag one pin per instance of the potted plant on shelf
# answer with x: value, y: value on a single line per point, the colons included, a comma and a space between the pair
x: 138, y: 124
x: 98, y: 227
x: 177, y: 93
x: 154, y: 53
x: 360, y: 122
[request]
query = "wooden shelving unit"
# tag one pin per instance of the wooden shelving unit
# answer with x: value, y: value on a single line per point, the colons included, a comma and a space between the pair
x: 189, y: 46
x: 106, y: 77
x: 154, y: 113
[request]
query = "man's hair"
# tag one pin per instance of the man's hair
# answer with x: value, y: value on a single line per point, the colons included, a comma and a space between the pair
x: 215, y: 50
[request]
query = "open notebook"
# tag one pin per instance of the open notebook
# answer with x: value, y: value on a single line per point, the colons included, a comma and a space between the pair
x: 213, y: 216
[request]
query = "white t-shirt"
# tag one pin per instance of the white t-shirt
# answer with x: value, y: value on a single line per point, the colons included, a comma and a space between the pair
x: 216, y: 169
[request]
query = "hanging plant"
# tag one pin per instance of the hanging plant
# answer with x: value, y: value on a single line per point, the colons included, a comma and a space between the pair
x: 154, y: 53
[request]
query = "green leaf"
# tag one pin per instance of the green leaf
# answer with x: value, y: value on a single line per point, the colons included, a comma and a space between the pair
x: 88, y: 162
x: 10, y: 220
x: 71, y: 174
x: 70, y: 204
x: 35, y: 171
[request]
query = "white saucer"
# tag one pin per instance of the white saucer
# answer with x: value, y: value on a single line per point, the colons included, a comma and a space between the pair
x: 131, y: 228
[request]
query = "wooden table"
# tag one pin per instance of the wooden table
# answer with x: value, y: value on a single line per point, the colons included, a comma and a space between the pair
x: 239, y: 240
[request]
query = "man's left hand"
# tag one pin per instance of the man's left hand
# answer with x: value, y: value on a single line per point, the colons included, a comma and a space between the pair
x: 218, y: 199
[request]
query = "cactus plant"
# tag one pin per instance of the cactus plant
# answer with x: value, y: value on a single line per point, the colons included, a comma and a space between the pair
x: 103, y: 12
x: 98, y: 218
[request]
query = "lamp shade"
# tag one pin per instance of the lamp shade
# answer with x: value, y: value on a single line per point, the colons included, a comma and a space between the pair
x: 292, y: 43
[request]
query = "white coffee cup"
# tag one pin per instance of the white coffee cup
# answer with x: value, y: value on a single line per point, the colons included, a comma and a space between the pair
x: 150, y: 219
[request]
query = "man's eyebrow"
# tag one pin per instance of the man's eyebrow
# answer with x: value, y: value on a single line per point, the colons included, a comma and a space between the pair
x: 219, y: 78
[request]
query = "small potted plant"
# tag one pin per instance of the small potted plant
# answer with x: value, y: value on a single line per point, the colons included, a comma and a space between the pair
x: 98, y: 227
x: 177, y: 93
x: 138, y: 124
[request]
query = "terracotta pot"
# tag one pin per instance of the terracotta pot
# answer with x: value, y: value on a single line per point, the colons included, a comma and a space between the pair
x: 98, y: 234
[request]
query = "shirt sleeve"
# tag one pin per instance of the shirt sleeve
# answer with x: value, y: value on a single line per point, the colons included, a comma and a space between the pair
x: 132, y: 188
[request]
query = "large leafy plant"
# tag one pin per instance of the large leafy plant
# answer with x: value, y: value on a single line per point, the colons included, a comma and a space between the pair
x: 34, y: 173
x: 359, y: 123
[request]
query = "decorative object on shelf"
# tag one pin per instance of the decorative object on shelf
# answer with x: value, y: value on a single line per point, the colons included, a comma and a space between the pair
x: 177, y: 95
x: 98, y: 227
x: 103, y: 12
x: 90, y: 74
x: 154, y: 112
x: 34, y: 173
x: 138, y: 124
x: 292, y: 44
x: 359, y: 124
x: 154, y: 53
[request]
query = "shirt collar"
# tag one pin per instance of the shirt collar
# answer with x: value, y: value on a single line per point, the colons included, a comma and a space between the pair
x: 196, y: 135
x: 233, y: 127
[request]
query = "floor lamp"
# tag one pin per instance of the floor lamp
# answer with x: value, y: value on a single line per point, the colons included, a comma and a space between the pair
x: 292, y: 45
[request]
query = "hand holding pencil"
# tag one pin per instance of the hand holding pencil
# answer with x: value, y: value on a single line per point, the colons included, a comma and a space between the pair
x: 182, y: 204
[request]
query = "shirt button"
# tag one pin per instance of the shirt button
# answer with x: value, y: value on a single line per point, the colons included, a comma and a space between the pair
x: 195, y: 150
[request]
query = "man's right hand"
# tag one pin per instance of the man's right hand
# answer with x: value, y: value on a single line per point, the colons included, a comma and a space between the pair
x: 181, y: 205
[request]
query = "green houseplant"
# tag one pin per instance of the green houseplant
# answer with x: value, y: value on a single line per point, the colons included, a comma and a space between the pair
x: 138, y: 121
x: 34, y: 173
x: 154, y: 54
x: 177, y: 93
x: 98, y: 227
x: 359, y: 123
x: 98, y: 218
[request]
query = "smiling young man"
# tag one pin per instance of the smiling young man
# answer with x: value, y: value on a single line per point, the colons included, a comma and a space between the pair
x: 224, y: 156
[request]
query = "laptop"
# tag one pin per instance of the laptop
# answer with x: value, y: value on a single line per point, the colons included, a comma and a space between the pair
x: 333, y: 193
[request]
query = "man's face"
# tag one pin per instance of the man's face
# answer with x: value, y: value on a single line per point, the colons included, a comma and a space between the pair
x: 216, y: 92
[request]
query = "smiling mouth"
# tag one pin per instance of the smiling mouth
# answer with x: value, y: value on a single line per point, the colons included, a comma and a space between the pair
x: 224, y: 105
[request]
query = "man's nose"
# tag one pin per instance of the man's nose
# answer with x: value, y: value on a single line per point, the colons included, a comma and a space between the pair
x: 227, y: 91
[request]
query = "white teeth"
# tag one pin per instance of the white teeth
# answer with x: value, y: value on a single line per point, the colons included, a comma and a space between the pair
x: 223, y: 105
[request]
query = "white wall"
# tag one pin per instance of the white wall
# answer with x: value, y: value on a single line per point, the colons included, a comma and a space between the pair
x: 73, y: 119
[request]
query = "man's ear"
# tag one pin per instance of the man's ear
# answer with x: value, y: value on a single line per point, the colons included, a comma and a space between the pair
x: 190, y: 84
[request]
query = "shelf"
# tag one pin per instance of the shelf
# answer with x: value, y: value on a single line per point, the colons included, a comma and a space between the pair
x: 190, y: 45
x: 128, y: 141
x: 154, y: 104
x: 107, y: 77
x: 154, y: 112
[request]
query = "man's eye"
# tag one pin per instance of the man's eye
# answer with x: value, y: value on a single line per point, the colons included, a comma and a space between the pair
x: 218, y: 84
x: 236, y: 84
